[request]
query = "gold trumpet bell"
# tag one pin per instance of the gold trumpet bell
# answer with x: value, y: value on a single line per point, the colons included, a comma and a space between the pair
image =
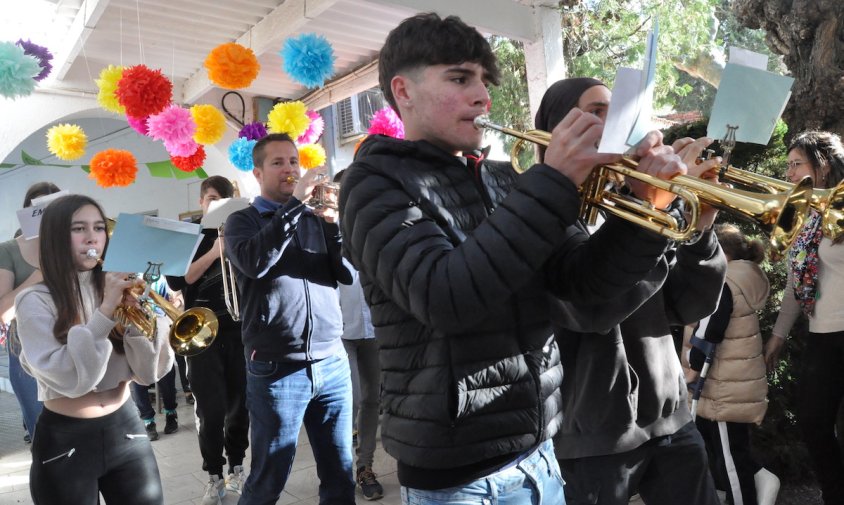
x: 194, y: 331
x: 833, y: 214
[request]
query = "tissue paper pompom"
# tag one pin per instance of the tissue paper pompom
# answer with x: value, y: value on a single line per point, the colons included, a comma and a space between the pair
x: 189, y: 163
x: 232, y: 66
x: 173, y: 125
x: 17, y: 71
x: 359, y: 143
x: 315, y: 128
x: 210, y: 124
x: 139, y: 124
x: 107, y: 83
x: 40, y: 53
x: 113, y: 167
x: 184, y: 148
x: 240, y: 153
x: 308, y: 59
x: 289, y: 118
x: 253, y: 131
x: 311, y: 156
x: 66, y: 141
x: 143, y: 91
x: 386, y: 122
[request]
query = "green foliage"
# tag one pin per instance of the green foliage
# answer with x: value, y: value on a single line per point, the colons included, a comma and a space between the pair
x: 510, y: 105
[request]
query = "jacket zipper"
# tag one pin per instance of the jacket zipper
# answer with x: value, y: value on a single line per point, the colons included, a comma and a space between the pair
x: 67, y: 454
x: 476, y: 176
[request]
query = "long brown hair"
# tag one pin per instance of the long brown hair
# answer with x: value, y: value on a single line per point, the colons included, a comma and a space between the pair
x: 58, y: 268
x: 737, y: 246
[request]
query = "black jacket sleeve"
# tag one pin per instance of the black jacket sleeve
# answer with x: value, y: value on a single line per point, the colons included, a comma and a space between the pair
x: 713, y: 329
x: 695, y: 281
x: 255, y: 249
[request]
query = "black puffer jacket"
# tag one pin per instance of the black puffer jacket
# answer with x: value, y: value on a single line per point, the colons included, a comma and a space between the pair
x: 458, y: 263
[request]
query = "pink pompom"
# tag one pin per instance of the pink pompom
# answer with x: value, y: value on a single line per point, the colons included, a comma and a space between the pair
x: 139, y: 124
x: 173, y: 125
x: 315, y: 129
x: 386, y: 122
x: 183, y: 149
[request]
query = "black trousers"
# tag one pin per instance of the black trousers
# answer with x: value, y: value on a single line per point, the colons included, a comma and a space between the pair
x: 821, y: 389
x: 732, y: 464
x: 218, y: 380
x: 670, y: 470
x: 74, y: 460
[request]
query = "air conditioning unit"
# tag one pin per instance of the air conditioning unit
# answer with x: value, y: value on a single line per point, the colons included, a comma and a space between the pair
x: 355, y: 112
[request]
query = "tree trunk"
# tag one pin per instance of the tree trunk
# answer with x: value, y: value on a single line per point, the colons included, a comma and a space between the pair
x: 810, y: 36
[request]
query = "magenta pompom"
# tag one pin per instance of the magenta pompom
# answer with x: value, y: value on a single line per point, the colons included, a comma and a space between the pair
x: 386, y: 122
x: 315, y: 129
x: 183, y: 149
x: 139, y: 124
x: 173, y: 125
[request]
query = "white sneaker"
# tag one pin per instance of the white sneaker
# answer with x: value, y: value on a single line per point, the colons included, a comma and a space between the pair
x: 215, y: 490
x: 236, y: 480
x: 767, y: 487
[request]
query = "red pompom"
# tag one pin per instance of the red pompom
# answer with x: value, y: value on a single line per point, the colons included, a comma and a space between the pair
x: 189, y: 163
x: 143, y: 91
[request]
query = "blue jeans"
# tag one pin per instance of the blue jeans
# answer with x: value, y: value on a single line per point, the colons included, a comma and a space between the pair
x: 167, y: 389
x: 280, y: 396
x: 26, y: 391
x: 533, y: 480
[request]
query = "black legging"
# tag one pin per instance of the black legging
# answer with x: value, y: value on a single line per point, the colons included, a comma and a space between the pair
x: 73, y: 460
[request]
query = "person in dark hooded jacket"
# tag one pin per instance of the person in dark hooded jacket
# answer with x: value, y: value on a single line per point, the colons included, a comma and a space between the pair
x: 460, y: 260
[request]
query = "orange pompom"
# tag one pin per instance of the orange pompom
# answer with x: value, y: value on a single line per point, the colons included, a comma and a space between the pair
x: 113, y: 167
x: 232, y: 66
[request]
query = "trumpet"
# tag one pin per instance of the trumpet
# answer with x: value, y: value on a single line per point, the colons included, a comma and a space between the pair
x: 191, y: 332
x: 780, y: 215
x: 324, y: 195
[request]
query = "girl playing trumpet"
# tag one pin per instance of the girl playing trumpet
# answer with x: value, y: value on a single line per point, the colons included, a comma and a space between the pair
x: 89, y: 437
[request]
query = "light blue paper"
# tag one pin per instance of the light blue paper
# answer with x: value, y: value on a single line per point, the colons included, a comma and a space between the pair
x: 751, y: 99
x: 138, y: 240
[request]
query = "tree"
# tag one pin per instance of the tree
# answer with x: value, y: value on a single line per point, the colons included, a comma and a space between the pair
x: 808, y: 33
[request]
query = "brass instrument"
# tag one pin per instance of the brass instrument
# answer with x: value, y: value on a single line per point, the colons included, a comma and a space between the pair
x: 325, y: 194
x: 780, y: 215
x: 191, y: 332
x: 229, y: 281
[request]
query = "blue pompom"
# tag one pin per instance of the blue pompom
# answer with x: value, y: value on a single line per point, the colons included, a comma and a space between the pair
x: 308, y: 59
x: 240, y: 153
x: 17, y: 71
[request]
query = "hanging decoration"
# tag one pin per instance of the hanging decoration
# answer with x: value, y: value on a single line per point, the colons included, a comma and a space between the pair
x: 210, y: 124
x: 66, y: 141
x: 315, y: 128
x: 173, y: 125
x: 143, y: 91
x: 189, y: 163
x: 232, y: 66
x: 311, y: 156
x: 386, y: 122
x: 40, y: 53
x: 181, y: 148
x: 253, y: 131
x: 289, y: 118
x: 17, y: 71
x: 240, y: 153
x: 308, y: 59
x: 359, y: 143
x: 139, y: 124
x: 113, y: 167
x: 107, y: 83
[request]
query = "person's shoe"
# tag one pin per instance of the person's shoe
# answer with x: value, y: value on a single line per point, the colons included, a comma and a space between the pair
x: 172, y: 424
x: 369, y: 485
x: 236, y: 480
x: 26, y: 438
x: 152, y: 433
x: 767, y: 487
x: 189, y: 398
x: 215, y: 490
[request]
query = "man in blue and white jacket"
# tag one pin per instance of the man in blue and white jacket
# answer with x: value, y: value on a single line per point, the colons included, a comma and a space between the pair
x: 289, y: 264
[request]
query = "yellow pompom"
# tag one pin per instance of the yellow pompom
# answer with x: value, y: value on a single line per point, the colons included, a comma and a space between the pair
x: 311, y: 156
x: 210, y: 124
x: 290, y: 118
x: 108, y: 85
x: 66, y: 141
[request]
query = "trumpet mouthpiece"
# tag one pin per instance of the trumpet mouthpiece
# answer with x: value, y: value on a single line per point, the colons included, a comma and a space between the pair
x: 92, y: 254
x: 481, y: 122
x: 291, y: 180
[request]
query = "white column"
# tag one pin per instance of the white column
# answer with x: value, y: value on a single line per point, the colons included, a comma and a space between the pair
x: 544, y: 55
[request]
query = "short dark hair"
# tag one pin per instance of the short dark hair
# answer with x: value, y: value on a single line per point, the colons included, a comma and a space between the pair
x: 822, y: 147
x: 425, y: 40
x: 258, y: 151
x: 219, y: 183
x: 37, y: 190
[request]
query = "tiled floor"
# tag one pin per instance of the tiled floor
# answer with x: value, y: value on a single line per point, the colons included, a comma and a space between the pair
x: 179, y: 463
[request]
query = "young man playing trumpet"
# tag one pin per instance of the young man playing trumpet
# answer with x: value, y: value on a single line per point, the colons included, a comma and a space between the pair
x: 218, y: 374
x: 459, y: 260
